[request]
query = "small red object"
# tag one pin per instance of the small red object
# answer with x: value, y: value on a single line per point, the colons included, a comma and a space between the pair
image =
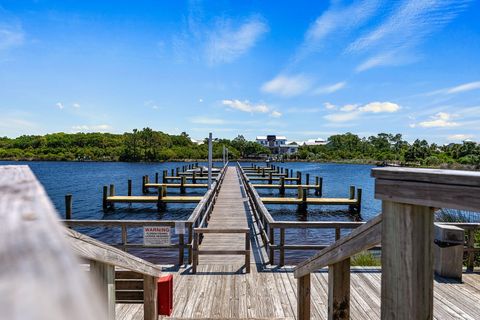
x: 165, y: 295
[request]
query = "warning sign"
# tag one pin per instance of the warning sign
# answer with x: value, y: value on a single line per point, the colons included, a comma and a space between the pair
x: 156, y: 236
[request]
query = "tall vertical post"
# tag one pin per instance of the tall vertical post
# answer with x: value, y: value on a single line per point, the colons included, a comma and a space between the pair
x: 68, y: 206
x: 105, y: 195
x: 209, y: 161
x: 223, y: 155
x: 129, y: 187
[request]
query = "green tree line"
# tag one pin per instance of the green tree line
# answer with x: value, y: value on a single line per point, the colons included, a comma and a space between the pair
x: 391, y: 148
x: 138, y: 145
x: 149, y: 145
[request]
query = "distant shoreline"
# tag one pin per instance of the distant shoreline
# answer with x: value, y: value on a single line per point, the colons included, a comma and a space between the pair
x: 453, y: 166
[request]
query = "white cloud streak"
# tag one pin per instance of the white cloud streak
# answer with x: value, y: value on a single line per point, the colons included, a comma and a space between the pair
x: 92, y: 128
x: 465, y: 87
x: 331, y: 88
x: 226, y: 43
x: 337, y: 19
x: 353, y: 111
x: 247, y: 106
x: 287, y: 86
x: 460, y: 137
x: 412, y: 21
x: 439, y: 120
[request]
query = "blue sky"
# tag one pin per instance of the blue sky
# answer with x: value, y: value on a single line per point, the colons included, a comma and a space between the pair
x: 304, y: 69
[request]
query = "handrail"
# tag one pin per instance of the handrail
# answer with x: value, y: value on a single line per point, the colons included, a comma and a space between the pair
x: 40, y: 259
x: 39, y: 272
x: 92, y: 249
x: 360, y: 239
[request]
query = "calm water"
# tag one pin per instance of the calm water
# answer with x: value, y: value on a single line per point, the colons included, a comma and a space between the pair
x: 85, y: 181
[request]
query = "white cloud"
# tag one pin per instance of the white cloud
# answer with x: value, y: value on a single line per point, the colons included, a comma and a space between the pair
x: 276, y: 114
x: 76, y: 105
x: 336, y: 20
x: 207, y: 120
x: 59, y: 105
x: 287, y: 85
x: 475, y: 85
x: 353, y: 111
x: 342, y: 117
x: 376, y: 107
x: 440, y: 120
x: 330, y: 89
x: 11, y: 36
x: 460, y: 137
x: 349, y: 107
x: 390, y: 43
x: 94, y: 128
x: 226, y: 43
x: 329, y: 106
x: 246, y: 106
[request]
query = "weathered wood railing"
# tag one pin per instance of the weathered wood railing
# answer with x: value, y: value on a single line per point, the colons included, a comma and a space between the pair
x: 201, y: 214
x: 104, y: 258
x: 125, y: 225
x: 40, y: 272
x: 269, y: 228
x: 405, y: 230
x: 196, y: 250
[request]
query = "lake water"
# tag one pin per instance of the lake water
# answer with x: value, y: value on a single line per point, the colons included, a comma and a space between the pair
x: 85, y: 180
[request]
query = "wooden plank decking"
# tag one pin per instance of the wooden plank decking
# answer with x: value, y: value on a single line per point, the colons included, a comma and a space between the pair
x: 229, y: 212
x: 221, y: 290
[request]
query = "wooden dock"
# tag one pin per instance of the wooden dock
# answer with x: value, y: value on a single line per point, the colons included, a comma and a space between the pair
x: 310, y: 201
x: 177, y: 185
x: 153, y: 199
x: 227, y: 230
x: 220, y: 292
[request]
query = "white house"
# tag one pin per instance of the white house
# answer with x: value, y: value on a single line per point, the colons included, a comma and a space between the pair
x: 315, y: 142
x: 278, y: 144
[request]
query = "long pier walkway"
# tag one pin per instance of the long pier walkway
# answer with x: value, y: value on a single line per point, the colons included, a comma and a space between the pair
x: 229, y: 212
x: 222, y: 290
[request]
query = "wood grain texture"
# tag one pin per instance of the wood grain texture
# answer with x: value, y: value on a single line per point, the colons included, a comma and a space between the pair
x: 92, y: 249
x: 360, y: 239
x: 429, y: 194
x: 407, y: 261
x: 339, y: 290
x: 431, y: 176
x: 40, y: 276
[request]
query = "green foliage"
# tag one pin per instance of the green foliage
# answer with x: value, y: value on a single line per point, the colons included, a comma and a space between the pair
x: 391, y: 148
x: 365, y: 259
x: 138, y: 145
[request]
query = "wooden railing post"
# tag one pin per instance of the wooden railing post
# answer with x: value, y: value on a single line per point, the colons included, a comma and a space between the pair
x: 339, y: 290
x: 104, y: 275
x: 150, y: 297
x: 272, y: 242
x: 181, y: 243
x: 282, y: 247
x: 303, y: 297
x: 407, y: 261
x: 470, y: 254
x: 247, y: 252
x: 195, y: 252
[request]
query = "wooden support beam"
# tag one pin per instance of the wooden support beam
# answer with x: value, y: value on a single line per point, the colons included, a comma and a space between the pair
x: 339, y: 290
x: 271, y: 236
x: 471, y: 254
x: 247, y: 252
x: 104, y: 275
x: 129, y: 187
x: 111, y: 194
x: 407, y: 261
x: 150, y: 297
x: 303, y: 297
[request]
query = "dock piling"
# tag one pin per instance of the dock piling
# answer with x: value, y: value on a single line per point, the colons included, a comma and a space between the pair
x: 164, y: 176
x: 359, y: 200
x: 282, y: 186
x: 319, y: 186
x: 112, y: 194
x: 68, y: 206
x: 194, y: 179
x: 182, y: 184
x: 129, y: 183
x: 104, y: 199
x: 270, y: 180
x: 156, y: 177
